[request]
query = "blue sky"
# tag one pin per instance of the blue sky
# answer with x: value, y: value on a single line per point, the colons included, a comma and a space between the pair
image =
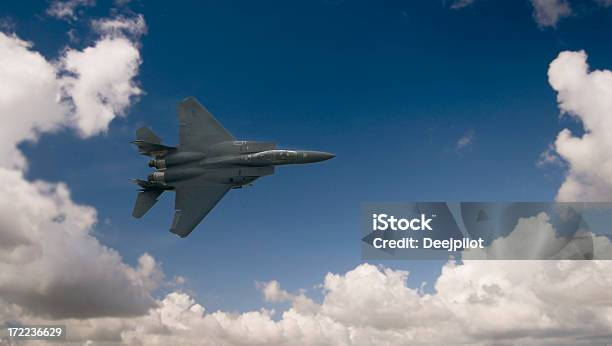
x: 389, y: 88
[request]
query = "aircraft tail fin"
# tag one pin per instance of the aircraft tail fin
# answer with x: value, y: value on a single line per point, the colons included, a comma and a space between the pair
x: 149, y: 143
x: 145, y: 200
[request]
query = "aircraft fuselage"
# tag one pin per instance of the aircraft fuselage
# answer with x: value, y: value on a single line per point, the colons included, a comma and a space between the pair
x: 235, y: 169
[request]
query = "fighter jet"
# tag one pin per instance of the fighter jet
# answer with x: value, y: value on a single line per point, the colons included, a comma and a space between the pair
x: 206, y: 164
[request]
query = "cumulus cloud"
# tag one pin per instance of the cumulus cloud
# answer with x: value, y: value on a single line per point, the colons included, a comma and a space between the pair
x: 273, y: 293
x: 584, y: 95
x: 29, y: 98
x: 100, y: 82
x: 85, y: 90
x: 547, y: 13
x: 373, y: 305
x: 66, y: 9
x: 478, y: 302
x: 50, y: 264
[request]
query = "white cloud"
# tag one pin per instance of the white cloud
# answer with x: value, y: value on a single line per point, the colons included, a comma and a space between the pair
x: 95, y: 86
x: 273, y: 293
x: 466, y: 140
x: 66, y: 9
x: 478, y: 302
x: 100, y: 82
x: 120, y: 26
x: 547, y: 13
x: 50, y: 264
x: 29, y: 98
x: 585, y: 96
x: 459, y: 4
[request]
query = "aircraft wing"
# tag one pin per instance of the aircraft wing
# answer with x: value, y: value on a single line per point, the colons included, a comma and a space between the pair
x: 193, y: 203
x: 198, y: 129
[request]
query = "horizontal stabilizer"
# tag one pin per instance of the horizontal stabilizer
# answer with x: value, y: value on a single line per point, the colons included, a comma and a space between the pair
x: 149, y: 144
x: 145, y: 200
x: 146, y: 135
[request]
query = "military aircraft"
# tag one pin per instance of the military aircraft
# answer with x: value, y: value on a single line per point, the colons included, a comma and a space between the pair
x: 206, y: 164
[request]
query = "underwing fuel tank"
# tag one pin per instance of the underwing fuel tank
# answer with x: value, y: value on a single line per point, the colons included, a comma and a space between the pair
x: 287, y: 157
x: 174, y: 175
x: 176, y: 159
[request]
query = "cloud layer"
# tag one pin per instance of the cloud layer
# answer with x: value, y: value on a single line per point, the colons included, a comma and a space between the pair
x: 50, y: 264
x: 29, y: 98
x: 585, y: 96
x: 476, y: 303
x: 493, y: 302
x: 84, y: 90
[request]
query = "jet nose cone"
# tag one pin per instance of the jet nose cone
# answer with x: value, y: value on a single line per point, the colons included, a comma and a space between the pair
x: 317, y: 156
x: 327, y: 156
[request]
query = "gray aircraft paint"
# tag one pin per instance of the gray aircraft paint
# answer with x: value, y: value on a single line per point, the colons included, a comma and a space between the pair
x: 207, y: 163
